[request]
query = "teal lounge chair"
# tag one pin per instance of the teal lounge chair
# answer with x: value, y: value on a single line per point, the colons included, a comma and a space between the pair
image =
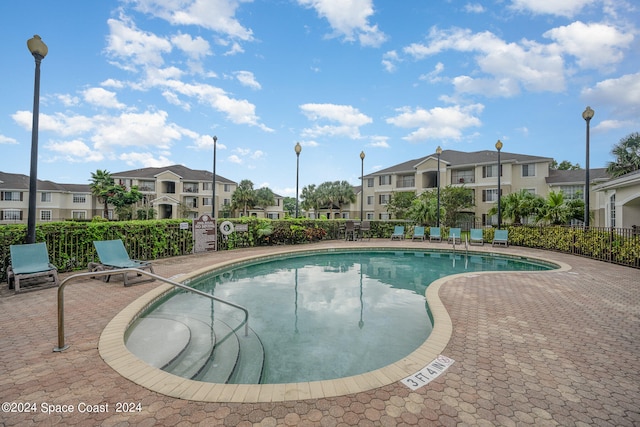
x: 398, y: 233
x: 434, y: 234
x: 476, y: 236
x: 501, y: 237
x: 30, y: 264
x: 113, y: 255
x: 454, y: 235
x: 418, y: 233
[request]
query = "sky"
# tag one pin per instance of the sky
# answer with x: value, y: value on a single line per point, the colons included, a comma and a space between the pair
x: 130, y: 84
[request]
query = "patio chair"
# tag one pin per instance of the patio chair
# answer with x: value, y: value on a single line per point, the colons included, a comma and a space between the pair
x: 418, y: 233
x: 398, y: 233
x: 434, y: 234
x: 365, y: 228
x: 30, y: 267
x: 501, y: 237
x: 476, y: 237
x: 350, y: 229
x: 454, y: 235
x: 113, y: 255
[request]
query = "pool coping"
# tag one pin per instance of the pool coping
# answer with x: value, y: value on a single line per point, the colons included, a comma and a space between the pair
x: 113, y: 351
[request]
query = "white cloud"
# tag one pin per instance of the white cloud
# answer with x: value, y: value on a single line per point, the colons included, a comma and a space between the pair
x: 75, y: 151
x: 437, y: 123
x: 195, y: 48
x: 132, y: 47
x: 474, y: 8
x: 146, y: 160
x: 621, y: 93
x: 7, y: 140
x: 102, y: 98
x: 595, y: 45
x: 567, y: 8
x: 234, y: 159
x: 246, y: 78
x: 349, y: 19
x: 349, y: 120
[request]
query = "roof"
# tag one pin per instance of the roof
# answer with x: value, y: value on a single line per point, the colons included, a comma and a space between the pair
x: 459, y: 159
x: 628, y: 179
x: 182, y: 171
x: 576, y: 176
x: 15, y: 181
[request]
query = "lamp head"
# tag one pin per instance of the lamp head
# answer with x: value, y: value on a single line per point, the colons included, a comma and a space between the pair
x: 37, y: 47
x: 588, y: 114
x: 499, y: 145
x: 439, y: 150
x: 298, y: 148
x: 215, y: 139
x: 362, y: 155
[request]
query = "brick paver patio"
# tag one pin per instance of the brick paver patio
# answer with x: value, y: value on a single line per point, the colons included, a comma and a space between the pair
x: 551, y: 348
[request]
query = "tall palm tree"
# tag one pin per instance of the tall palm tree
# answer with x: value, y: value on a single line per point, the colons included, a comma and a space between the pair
x: 310, y: 198
x: 244, y: 196
x: 518, y: 205
x: 627, y: 154
x: 345, y: 194
x: 102, y: 187
x: 264, y: 198
x: 328, y: 194
x: 556, y: 210
x: 424, y: 208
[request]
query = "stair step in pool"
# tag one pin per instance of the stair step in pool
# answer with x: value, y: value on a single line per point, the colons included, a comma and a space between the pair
x: 251, y: 361
x: 158, y: 341
x: 225, y: 355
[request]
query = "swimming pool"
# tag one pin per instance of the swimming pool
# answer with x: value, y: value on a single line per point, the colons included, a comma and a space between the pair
x: 314, y: 316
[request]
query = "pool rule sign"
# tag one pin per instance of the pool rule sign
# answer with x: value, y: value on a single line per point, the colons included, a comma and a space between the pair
x: 204, y: 234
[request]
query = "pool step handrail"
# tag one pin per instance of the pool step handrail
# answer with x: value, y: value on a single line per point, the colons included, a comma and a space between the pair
x: 61, y: 344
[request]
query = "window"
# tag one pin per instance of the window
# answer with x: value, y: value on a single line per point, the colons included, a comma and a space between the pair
x: 385, y: 216
x: 384, y: 199
x: 45, y: 197
x: 572, y: 192
x: 490, y: 195
x: 370, y: 182
x: 384, y: 180
x: 78, y: 215
x: 12, y: 215
x: 45, y: 215
x: 79, y: 198
x: 369, y: 200
x: 226, y: 202
x: 190, y: 187
x: 406, y: 181
x: 14, y: 196
x: 491, y: 171
x: 462, y: 176
x: 206, y: 201
x: 273, y: 215
x: 612, y: 210
x: 147, y: 185
x: 206, y: 186
x: 529, y: 169
x: 369, y: 215
x: 227, y: 188
x: 191, y: 202
x: 125, y: 181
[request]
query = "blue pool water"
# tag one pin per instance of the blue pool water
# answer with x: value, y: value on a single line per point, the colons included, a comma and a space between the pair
x: 326, y: 315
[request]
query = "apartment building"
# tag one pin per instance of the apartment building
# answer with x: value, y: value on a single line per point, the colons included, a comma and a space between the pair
x: 477, y: 171
x: 54, y: 202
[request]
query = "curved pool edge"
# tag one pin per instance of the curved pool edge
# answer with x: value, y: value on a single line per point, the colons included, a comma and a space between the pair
x: 113, y: 351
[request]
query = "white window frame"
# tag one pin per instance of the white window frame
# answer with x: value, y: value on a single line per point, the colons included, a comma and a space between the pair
x: 494, y: 195
x: 79, y: 198
x: 45, y: 197
x: 14, y: 196
x: 45, y: 215
x: 528, y: 167
x: 11, y: 214
x: 79, y: 214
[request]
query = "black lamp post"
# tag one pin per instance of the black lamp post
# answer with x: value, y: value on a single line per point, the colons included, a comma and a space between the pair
x: 213, y: 200
x: 587, y: 115
x: 362, y: 183
x: 298, y: 149
x: 438, y: 152
x: 499, y: 147
x: 39, y: 50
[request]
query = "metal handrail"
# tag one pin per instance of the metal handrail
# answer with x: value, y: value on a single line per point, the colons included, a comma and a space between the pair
x: 61, y: 344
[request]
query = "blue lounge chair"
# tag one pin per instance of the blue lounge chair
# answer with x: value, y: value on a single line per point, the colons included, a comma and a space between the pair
x: 501, y: 237
x: 30, y: 263
x: 476, y: 236
x: 454, y: 235
x: 398, y: 233
x: 113, y: 255
x: 418, y: 233
x: 434, y: 234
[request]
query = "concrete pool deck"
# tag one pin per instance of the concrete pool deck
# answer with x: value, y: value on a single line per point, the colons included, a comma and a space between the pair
x: 552, y: 348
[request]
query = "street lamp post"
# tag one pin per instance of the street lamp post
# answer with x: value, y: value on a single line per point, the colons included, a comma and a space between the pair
x: 362, y: 184
x: 39, y: 50
x: 438, y: 152
x: 499, y: 147
x: 587, y: 115
x: 298, y: 149
x: 213, y: 199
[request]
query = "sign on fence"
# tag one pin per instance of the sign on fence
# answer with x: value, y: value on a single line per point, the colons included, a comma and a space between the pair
x: 205, y: 237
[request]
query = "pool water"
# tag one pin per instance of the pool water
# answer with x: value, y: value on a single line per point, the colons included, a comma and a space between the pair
x: 329, y: 315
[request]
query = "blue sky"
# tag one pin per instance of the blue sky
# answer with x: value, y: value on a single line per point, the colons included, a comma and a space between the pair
x: 137, y: 83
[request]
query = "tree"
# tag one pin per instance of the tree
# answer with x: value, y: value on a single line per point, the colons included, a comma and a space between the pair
x: 101, y: 186
x: 289, y: 206
x: 124, y: 200
x: 344, y: 194
x: 244, y: 196
x: 558, y: 211
x: 328, y: 194
x: 264, y: 198
x: 310, y: 198
x: 564, y: 165
x: 400, y: 204
x: 454, y: 200
x: 627, y: 154
x: 518, y: 205
x: 424, y: 208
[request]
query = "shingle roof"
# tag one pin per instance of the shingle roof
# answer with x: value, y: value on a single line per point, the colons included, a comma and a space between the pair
x: 15, y: 181
x: 182, y: 171
x: 576, y: 176
x: 457, y: 159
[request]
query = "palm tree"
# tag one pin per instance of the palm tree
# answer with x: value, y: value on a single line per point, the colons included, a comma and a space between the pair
x: 264, y: 197
x: 102, y: 187
x: 558, y: 211
x: 518, y: 205
x: 627, y: 153
x: 310, y: 198
x: 424, y: 208
x: 328, y: 195
x: 244, y: 196
x: 345, y: 194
